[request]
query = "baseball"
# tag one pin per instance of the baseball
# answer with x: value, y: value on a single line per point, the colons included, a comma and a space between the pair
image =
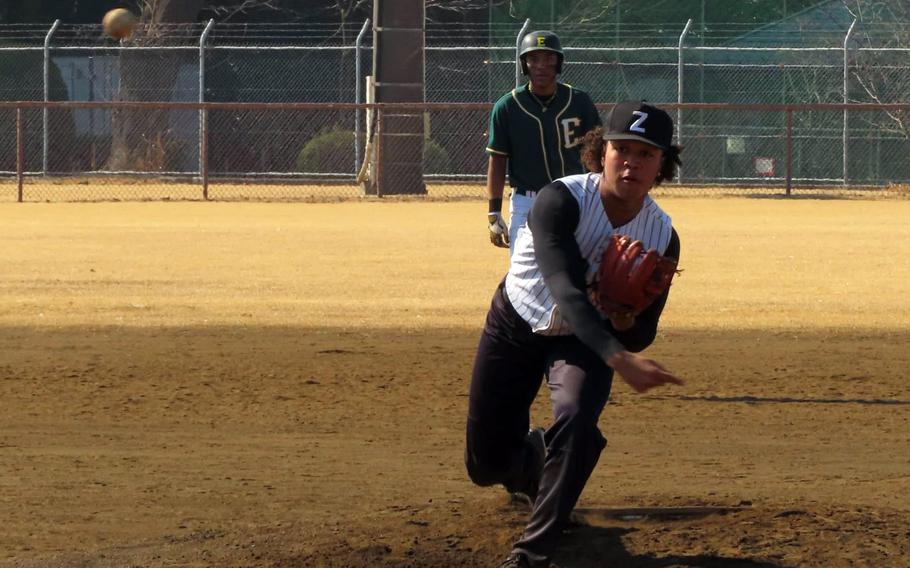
x: 118, y: 23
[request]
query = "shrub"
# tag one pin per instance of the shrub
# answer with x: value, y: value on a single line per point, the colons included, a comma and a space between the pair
x: 329, y: 152
x: 435, y: 158
x: 333, y: 152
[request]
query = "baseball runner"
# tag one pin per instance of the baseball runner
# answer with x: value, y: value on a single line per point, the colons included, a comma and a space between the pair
x: 536, y: 130
x: 549, y: 317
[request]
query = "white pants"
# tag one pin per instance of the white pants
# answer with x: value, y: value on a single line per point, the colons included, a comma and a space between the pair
x: 519, y: 207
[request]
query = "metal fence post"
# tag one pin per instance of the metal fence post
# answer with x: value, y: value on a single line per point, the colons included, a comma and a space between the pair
x: 202, y: 115
x: 846, y: 98
x: 489, y: 55
x: 378, y: 138
x: 47, y: 92
x: 204, y: 152
x: 789, y: 149
x: 679, y: 89
x: 358, y: 95
x: 20, y: 152
x: 521, y: 34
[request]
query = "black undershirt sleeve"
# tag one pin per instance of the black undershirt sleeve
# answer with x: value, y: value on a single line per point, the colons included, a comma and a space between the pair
x: 553, y: 220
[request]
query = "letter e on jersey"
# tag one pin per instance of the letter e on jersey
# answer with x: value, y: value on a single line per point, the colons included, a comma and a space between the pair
x: 569, y: 128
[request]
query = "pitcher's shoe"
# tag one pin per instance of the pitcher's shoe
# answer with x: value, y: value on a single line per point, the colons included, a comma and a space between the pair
x: 516, y: 561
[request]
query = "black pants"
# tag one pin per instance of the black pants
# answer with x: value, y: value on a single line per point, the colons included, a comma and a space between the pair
x: 510, y: 363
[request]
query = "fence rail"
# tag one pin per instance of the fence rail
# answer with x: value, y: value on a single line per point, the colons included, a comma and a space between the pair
x: 302, y: 151
x: 767, y: 134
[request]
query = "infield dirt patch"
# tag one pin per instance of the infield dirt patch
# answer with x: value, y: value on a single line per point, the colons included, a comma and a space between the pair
x: 284, y: 385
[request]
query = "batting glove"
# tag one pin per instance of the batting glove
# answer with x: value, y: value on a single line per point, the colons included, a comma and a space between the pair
x: 499, y: 231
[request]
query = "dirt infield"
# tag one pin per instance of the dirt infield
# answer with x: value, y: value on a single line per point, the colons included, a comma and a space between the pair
x: 284, y: 385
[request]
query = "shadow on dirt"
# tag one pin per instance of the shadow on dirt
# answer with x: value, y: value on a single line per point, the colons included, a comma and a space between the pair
x: 784, y: 399
x: 596, y: 547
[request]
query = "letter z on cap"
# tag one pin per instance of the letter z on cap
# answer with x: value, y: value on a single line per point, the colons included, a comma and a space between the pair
x: 637, y: 120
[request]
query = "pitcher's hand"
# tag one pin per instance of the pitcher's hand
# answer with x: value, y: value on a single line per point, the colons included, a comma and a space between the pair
x: 641, y: 373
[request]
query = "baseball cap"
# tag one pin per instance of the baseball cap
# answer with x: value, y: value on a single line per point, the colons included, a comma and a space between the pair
x: 637, y: 120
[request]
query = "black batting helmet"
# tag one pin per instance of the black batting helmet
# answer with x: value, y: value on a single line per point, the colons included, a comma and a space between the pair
x: 540, y: 41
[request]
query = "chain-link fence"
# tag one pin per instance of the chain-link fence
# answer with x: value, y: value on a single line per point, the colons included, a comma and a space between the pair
x: 236, y: 151
x: 274, y: 151
x: 775, y: 64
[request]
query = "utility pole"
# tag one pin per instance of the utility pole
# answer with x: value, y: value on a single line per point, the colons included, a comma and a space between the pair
x: 398, y: 67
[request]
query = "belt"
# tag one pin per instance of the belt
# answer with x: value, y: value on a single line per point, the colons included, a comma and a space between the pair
x: 525, y: 192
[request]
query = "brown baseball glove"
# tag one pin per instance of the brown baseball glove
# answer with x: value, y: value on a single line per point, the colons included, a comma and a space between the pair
x: 629, y: 279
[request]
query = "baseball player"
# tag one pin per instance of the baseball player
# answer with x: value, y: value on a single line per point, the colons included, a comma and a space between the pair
x: 537, y: 130
x: 542, y: 323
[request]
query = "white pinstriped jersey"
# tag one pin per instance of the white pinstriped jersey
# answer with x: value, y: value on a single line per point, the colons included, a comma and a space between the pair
x: 525, y: 285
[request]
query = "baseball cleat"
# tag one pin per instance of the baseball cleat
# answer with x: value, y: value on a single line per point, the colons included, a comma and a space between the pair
x: 516, y: 561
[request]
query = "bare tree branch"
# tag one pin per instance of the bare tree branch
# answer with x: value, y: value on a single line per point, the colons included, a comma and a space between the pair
x: 897, y: 118
x: 459, y: 6
x: 225, y: 13
x: 874, y: 75
x: 586, y: 12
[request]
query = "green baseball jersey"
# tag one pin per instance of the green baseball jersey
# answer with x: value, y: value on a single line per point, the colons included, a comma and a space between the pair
x: 542, y: 139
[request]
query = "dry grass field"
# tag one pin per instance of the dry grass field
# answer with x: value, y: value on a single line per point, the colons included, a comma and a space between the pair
x: 284, y: 385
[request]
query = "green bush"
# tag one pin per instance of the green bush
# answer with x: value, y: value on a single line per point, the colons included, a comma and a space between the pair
x: 330, y: 152
x: 333, y: 152
x: 435, y: 158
